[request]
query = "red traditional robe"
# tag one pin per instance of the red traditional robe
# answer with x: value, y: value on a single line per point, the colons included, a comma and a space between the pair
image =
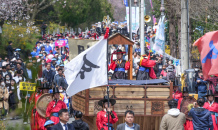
x: 34, y: 97
x: 212, y: 108
x: 102, y: 119
x: 55, y: 109
x: 188, y: 124
x: 177, y: 95
x: 113, y: 66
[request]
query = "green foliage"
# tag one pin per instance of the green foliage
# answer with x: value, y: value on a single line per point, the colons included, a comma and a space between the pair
x: 13, y: 33
x: 76, y: 12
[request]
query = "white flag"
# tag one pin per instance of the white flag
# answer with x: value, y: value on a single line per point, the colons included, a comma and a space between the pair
x: 88, y: 69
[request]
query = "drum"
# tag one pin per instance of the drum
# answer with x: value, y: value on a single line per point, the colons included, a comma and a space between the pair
x: 184, y: 105
x: 42, y: 103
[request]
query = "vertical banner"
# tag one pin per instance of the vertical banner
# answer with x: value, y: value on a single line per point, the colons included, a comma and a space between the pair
x: 135, y: 18
x: 126, y: 3
x: 160, y: 38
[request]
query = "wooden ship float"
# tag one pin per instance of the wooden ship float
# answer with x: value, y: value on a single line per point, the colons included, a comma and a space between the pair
x: 147, y: 98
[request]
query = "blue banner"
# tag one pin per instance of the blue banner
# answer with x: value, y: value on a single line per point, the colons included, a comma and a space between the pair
x: 126, y: 3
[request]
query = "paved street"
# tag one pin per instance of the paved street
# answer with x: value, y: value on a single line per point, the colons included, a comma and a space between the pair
x: 16, y: 124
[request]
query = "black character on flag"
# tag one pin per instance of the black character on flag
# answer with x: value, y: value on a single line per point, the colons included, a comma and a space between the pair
x: 84, y: 69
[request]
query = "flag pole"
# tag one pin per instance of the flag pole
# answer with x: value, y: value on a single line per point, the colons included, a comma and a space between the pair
x: 107, y: 77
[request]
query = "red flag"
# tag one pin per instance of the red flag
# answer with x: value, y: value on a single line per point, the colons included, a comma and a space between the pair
x: 208, y: 49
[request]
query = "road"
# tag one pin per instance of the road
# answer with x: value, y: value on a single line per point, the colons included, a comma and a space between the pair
x: 18, y: 124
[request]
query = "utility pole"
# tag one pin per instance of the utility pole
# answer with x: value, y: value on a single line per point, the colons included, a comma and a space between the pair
x: 162, y: 9
x: 139, y: 18
x: 142, y: 26
x: 184, y: 36
x: 130, y: 19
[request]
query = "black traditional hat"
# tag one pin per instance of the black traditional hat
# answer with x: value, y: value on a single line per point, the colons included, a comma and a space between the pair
x: 209, y: 93
x: 185, y: 89
x: 55, y: 90
x: 38, y: 83
x: 105, y: 99
x: 119, y: 51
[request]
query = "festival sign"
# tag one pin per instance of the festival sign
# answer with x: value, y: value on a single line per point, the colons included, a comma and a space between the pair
x: 60, y: 42
x: 27, y: 86
x: 76, y: 46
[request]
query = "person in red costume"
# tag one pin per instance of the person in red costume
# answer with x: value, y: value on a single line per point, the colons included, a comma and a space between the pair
x: 176, y: 93
x: 146, y: 70
x: 55, y: 106
x: 212, y: 106
x: 33, y: 99
x: 188, y: 124
x: 41, y: 120
x: 102, y: 116
x: 119, y: 65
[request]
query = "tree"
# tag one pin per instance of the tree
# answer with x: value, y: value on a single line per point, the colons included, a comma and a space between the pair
x: 82, y: 11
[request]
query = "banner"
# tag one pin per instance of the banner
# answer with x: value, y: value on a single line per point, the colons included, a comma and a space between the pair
x: 135, y: 18
x: 60, y: 42
x: 27, y: 86
x: 160, y: 37
x: 88, y: 69
x: 126, y: 3
x: 76, y: 46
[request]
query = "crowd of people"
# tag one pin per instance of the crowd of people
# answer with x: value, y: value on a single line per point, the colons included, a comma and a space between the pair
x: 45, y: 67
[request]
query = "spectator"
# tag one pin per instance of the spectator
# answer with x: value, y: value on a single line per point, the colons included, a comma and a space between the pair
x: 128, y: 125
x: 138, y: 49
x: 48, y: 124
x: 7, y: 61
x: 1, y: 61
x: 170, y: 74
x: 12, y: 71
x: 174, y: 119
x: 3, y: 100
x: 19, y: 67
x: 201, y: 85
x: 48, y: 74
x: 59, y: 79
x: 10, y: 50
x: 29, y: 73
x: 8, y: 67
x: 5, y: 72
x: 64, y: 118
x: 13, y: 99
x: 79, y: 124
x: 201, y: 117
x: 163, y: 72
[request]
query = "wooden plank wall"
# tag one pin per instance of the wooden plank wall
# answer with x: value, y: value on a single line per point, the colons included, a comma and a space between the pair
x: 145, y: 122
x: 78, y: 103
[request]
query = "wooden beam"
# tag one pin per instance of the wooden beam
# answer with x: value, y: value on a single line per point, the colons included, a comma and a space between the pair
x: 131, y: 62
x: 171, y: 90
x: 87, y: 103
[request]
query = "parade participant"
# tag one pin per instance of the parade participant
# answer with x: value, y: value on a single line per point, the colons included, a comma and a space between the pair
x: 176, y: 93
x: 146, y: 70
x: 119, y: 65
x: 55, y: 106
x: 34, y: 53
x: 212, y: 106
x: 48, y: 124
x: 33, y: 99
x: 102, y: 116
x: 188, y: 124
x: 41, y: 120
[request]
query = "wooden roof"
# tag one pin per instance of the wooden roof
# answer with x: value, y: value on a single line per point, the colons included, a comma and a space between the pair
x: 118, y: 38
